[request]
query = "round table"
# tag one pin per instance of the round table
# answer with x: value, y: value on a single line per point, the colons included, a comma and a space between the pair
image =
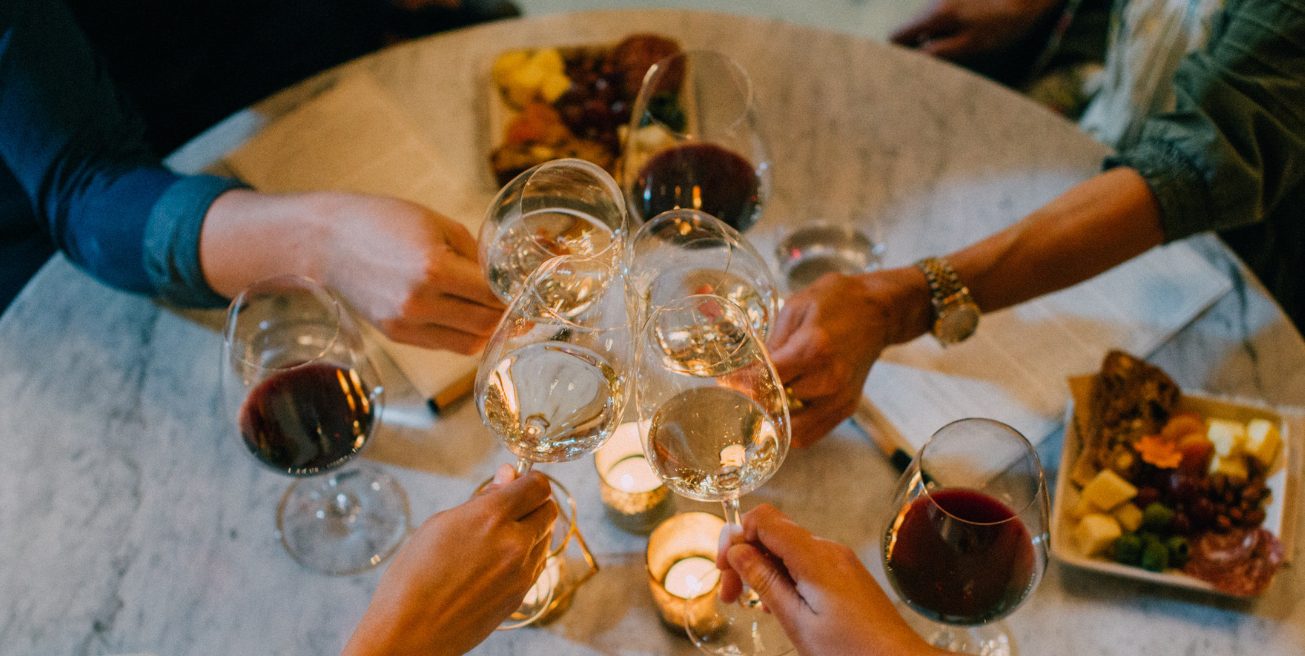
x: 134, y: 521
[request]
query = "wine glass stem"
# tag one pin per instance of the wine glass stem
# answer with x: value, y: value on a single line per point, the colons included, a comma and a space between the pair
x: 523, y: 466
x: 748, y: 598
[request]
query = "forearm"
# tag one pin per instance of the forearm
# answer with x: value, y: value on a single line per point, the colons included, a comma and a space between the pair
x: 248, y: 236
x: 1094, y: 226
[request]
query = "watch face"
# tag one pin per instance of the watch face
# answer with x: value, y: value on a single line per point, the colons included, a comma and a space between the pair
x: 957, y: 323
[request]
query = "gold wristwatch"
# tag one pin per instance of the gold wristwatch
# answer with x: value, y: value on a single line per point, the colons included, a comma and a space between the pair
x: 955, y: 314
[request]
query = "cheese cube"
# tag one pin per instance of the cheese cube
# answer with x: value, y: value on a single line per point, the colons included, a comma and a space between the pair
x: 1262, y: 441
x: 1095, y: 533
x: 1108, y: 489
x: 1227, y: 436
x: 1082, y: 507
x: 1234, y: 466
x: 1129, y: 517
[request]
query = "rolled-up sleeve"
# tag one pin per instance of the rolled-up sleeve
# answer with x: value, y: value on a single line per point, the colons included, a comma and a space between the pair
x: 1234, y: 146
x: 77, y: 150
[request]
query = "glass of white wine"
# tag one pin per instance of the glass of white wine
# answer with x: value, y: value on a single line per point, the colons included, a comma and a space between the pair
x: 561, y: 207
x: 552, y: 381
x: 683, y: 252
x: 716, y: 425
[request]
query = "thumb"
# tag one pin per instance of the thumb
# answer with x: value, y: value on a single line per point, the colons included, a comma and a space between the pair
x: 767, y: 578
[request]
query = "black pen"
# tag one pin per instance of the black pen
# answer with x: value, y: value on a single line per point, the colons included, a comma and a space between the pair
x: 883, y: 434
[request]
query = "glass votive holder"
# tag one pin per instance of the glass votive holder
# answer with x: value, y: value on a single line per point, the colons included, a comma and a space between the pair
x: 808, y: 251
x: 634, y: 497
x: 552, y: 592
x: 682, y: 574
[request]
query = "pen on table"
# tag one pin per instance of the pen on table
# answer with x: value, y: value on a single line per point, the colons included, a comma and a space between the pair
x: 452, y: 393
x: 883, y: 434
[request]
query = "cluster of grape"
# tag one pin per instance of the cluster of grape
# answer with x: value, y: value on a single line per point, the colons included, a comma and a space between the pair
x: 1201, y: 503
x: 597, y: 103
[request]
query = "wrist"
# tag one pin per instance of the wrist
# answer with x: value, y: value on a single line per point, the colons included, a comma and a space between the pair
x: 901, y: 295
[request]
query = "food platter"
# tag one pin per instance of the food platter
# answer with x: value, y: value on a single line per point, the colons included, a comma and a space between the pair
x: 1280, y: 479
x: 571, y: 100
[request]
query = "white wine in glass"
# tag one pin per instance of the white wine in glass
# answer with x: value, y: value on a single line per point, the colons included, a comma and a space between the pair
x: 717, y: 427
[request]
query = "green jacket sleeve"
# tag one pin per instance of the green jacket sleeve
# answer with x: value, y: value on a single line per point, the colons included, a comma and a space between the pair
x: 1234, y: 146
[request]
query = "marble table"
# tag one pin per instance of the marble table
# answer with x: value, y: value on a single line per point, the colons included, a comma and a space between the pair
x: 132, y: 520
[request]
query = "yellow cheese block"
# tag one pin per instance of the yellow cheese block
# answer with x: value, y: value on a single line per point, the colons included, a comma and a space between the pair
x: 1108, y: 489
x: 1095, y: 533
x: 1233, y: 466
x: 1227, y: 436
x: 1129, y: 516
x: 1262, y: 441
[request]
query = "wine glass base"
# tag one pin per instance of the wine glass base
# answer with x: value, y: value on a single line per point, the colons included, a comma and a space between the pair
x: 735, y: 629
x: 343, y: 523
x: 992, y: 639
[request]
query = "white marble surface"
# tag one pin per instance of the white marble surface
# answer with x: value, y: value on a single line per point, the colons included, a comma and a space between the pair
x: 132, y: 520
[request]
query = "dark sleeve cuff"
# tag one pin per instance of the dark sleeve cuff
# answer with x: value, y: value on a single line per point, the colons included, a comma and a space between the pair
x: 171, y: 255
x: 1179, y: 185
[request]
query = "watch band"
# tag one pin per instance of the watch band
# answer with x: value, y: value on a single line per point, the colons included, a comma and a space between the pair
x: 955, y: 313
x: 942, y: 279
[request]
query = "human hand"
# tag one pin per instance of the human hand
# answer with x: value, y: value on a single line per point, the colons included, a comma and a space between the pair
x: 961, y: 29
x: 461, y: 573
x: 410, y: 271
x: 824, y: 598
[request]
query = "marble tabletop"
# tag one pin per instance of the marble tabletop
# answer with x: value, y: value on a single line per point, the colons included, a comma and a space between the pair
x: 133, y: 521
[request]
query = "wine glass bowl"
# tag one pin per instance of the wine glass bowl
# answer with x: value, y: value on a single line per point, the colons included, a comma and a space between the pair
x: 306, y: 399
x: 966, y: 542
x: 552, y: 381
x: 684, y: 252
x: 560, y: 207
x: 693, y: 141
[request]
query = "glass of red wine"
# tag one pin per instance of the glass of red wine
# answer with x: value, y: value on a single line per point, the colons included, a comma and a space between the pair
x: 966, y: 542
x: 306, y: 399
x: 693, y: 141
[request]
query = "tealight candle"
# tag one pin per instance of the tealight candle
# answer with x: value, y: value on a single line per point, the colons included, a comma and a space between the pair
x: 633, y: 495
x: 682, y: 574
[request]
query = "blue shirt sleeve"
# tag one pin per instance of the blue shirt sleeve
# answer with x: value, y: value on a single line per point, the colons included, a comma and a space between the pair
x: 77, y: 149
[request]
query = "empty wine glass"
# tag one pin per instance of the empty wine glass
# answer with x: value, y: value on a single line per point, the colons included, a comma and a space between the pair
x: 716, y: 426
x: 307, y: 399
x: 551, y: 383
x: 684, y: 252
x: 693, y: 141
x: 966, y: 541
x: 560, y: 207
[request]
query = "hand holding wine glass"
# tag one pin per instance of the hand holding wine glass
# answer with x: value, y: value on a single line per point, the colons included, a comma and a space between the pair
x: 716, y: 427
x: 307, y: 399
x: 694, y: 143
x: 966, y: 542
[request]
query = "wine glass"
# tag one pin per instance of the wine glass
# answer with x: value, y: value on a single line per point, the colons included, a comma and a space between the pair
x: 715, y: 425
x: 684, y: 252
x: 693, y: 141
x: 560, y: 207
x: 967, y: 538
x: 552, y: 381
x: 307, y: 399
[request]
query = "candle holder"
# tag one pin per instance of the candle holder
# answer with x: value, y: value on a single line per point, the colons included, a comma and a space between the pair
x: 568, y: 565
x: 634, y: 497
x: 682, y: 574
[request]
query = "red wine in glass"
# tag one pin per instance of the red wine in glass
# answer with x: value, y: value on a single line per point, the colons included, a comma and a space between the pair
x: 959, y: 556
x: 307, y: 419
x: 699, y: 176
